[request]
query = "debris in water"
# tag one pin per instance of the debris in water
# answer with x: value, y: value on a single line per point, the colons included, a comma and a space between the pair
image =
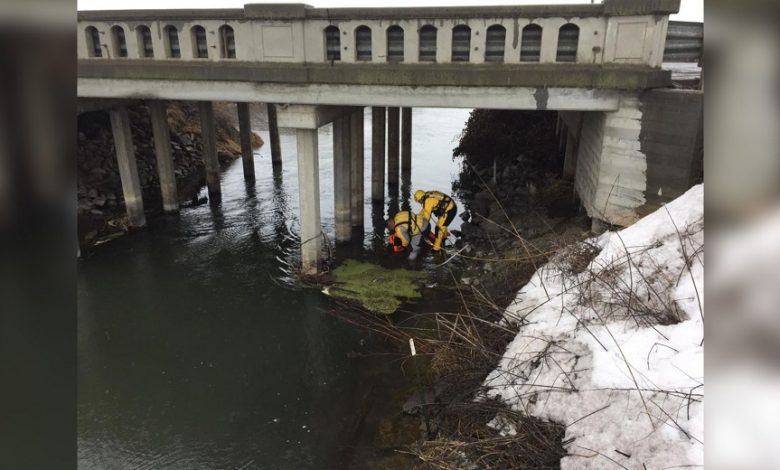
x: 376, y: 288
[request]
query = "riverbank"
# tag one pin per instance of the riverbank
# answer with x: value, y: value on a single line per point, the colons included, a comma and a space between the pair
x: 101, y: 212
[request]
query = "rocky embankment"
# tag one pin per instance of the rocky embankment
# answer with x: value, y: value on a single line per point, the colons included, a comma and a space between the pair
x: 100, y: 200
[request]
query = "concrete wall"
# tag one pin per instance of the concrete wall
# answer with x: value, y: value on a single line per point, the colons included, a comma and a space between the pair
x: 295, y: 33
x: 646, y: 153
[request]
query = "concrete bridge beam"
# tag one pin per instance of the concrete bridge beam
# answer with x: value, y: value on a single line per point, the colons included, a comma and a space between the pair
x: 357, y: 167
x: 309, y: 194
x: 392, y: 148
x: 128, y: 169
x: 162, y: 150
x: 247, y: 153
x: 378, y: 125
x: 209, y: 137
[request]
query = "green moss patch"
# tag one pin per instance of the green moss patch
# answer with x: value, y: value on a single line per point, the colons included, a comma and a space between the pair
x: 376, y: 288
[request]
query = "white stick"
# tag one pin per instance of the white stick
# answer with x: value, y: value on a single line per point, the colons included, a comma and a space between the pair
x: 411, y: 346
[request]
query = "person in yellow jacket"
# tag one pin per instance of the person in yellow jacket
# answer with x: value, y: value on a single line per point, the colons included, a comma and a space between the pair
x: 436, y: 203
x: 406, y: 232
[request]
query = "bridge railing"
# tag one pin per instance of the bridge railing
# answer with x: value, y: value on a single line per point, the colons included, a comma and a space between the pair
x: 614, y: 32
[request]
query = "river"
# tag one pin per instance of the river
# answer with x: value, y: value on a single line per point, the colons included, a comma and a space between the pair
x: 195, y: 349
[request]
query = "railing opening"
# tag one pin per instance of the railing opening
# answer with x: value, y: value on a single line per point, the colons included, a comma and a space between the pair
x: 531, y: 43
x: 227, y: 42
x: 172, y: 42
x: 118, y: 41
x: 363, y: 43
x: 494, y: 46
x: 461, y: 43
x: 568, y: 37
x: 332, y: 43
x: 93, y: 42
x: 201, y: 48
x: 395, y: 44
x: 428, y: 43
x: 144, y: 39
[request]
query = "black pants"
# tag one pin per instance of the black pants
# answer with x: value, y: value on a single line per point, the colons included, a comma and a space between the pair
x: 448, y: 217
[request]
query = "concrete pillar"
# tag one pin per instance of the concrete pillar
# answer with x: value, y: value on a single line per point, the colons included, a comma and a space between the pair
x: 247, y: 153
x: 162, y: 150
x: 570, y: 159
x: 406, y: 141
x: 209, y: 137
x: 392, y: 147
x: 309, y: 196
x: 128, y: 170
x: 357, y: 168
x: 342, y: 187
x: 378, y: 154
x: 273, y: 131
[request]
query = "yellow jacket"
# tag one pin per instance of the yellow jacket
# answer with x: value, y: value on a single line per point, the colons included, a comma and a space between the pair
x: 436, y: 203
x: 407, y: 225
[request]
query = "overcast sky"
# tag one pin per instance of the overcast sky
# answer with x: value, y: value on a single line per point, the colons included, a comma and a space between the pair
x: 691, y: 10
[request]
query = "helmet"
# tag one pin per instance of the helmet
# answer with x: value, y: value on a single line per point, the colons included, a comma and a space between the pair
x: 418, y: 195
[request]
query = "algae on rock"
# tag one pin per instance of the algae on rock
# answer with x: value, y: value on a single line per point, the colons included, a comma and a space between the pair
x: 378, y: 289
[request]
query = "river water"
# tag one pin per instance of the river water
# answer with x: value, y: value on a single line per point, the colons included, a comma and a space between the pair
x: 196, y: 351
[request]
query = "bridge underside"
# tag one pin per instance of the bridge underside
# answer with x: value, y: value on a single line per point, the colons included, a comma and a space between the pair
x: 559, y: 99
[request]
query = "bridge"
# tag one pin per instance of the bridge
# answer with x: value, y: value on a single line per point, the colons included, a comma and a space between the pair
x: 598, y: 65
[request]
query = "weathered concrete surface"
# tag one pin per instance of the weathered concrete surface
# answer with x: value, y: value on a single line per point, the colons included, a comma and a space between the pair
x: 615, y: 77
x: 162, y: 150
x: 247, y: 152
x: 342, y: 187
x: 309, y: 196
x: 378, y: 125
x: 357, y: 167
x: 209, y: 136
x: 557, y: 99
x: 296, y: 116
x: 671, y: 138
x: 393, y: 155
x: 128, y: 170
x: 273, y: 132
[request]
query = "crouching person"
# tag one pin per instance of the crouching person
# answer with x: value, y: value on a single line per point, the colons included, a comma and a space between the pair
x: 407, y: 230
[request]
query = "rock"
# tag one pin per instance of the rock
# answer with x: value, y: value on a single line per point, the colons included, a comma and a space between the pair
x: 92, y: 193
x: 96, y: 212
x: 465, y: 216
x: 100, y: 201
x: 471, y: 231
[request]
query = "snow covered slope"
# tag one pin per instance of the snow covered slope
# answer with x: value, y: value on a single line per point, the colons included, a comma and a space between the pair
x: 613, y: 347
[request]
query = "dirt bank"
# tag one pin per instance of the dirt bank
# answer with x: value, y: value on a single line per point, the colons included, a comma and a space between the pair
x: 100, y: 203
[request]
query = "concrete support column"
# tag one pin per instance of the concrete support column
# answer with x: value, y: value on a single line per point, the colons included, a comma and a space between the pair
x: 247, y: 153
x: 357, y: 167
x: 273, y: 131
x: 392, y: 147
x: 406, y: 142
x: 209, y: 136
x: 378, y: 154
x: 162, y: 150
x: 309, y: 195
x: 342, y: 187
x: 128, y: 170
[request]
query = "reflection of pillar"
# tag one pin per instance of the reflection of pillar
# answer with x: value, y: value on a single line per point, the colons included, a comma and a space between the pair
x: 378, y: 223
x: 406, y: 141
x: 378, y: 154
x: 309, y: 196
x: 128, y: 170
x: 341, y: 179
x: 209, y: 137
x: 273, y: 132
x: 162, y: 150
x: 357, y: 172
x: 392, y: 148
x: 406, y: 192
x: 247, y: 153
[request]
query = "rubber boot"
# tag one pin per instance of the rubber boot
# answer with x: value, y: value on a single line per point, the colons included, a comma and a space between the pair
x: 440, y: 234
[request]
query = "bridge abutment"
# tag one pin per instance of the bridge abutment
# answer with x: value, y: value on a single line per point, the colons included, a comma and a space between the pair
x: 162, y: 150
x: 128, y: 169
